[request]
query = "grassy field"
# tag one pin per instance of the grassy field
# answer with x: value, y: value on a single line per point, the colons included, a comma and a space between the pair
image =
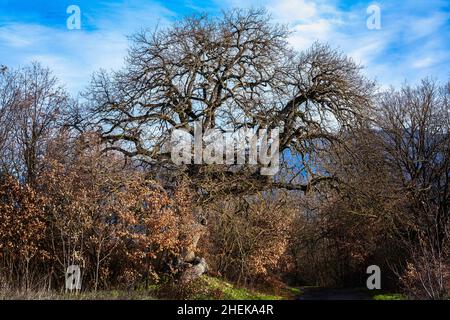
x: 205, y: 288
x: 389, y: 296
x: 229, y: 291
x: 211, y: 288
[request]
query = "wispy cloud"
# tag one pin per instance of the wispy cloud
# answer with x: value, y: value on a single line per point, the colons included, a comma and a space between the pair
x: 413, y: 42
x: 75, y: 54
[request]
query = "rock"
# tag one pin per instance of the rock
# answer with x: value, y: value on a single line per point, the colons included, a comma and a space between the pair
x: 195, y: 271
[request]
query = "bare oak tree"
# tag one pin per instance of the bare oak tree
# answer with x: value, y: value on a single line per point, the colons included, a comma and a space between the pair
x: 230, y: 73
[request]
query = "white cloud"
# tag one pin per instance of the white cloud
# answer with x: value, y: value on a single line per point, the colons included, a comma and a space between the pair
x: 305, y: 34
x: 366, y: 49
x: 411, y: 43
x: 422, y: 27
x: 292, y: 10
x: 13, y: 38
x: 423, y: 63
x: 74, y: 55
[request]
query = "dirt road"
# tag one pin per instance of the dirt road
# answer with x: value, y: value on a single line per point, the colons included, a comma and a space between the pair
x: 334, y: 294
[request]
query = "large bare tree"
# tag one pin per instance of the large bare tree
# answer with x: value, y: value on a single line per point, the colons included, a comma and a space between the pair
x: 229, y: 73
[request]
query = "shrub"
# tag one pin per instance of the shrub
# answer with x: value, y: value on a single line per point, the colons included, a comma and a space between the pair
x: 249, y: 237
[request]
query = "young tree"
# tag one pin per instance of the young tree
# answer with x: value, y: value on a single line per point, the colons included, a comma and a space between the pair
x: 31, y: 101
x: 22, y: 230
x: 9, y: 96
x: 107, y: 217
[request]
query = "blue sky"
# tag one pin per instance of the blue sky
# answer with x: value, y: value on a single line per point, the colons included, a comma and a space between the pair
x: 413, y: 42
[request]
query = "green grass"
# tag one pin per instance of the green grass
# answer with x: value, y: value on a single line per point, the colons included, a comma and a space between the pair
x: 112, y: 295
x: 206, y: 288
x: 91, y: 295
x: 212, y: 288
x: 229, y: 291
x: 295, y: 291
x: 389, y: 296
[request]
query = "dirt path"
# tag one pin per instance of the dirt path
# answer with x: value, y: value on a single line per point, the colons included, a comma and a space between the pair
x: 334, y: 294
